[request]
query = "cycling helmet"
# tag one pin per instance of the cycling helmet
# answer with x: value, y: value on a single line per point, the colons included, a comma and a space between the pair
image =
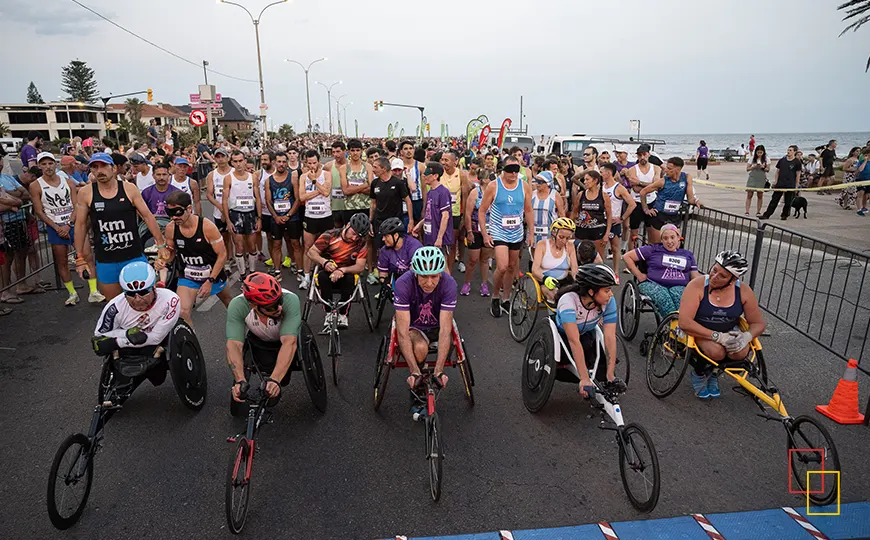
x: 392, y: 225
x: 732, y: 261
x: 138, y: 276
x: 261, y: 289
x: 428, y: 261
x: 562, y: 223
x: 360, y: 223
x: 596, y: 276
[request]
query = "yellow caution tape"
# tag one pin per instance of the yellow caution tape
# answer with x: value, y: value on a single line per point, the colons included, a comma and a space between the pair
x: 836, y: 187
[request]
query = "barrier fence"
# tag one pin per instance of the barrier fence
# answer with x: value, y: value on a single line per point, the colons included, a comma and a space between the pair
x: 24, y: 240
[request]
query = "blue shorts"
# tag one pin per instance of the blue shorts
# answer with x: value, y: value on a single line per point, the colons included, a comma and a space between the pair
x: 108, y: 273
x: 216, y: 287
x: 55, y: 239
x: 616, y: 230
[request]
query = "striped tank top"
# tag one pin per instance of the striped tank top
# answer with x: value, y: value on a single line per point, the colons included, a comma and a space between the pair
x: 506, y: 213
x: 544, y: 213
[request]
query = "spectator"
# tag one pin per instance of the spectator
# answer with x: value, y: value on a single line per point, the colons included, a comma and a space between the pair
x: 81, y: 174
x: 829, y: 154
x: 741, y: 152
x: 144, y: 172
x: 849, y: 194
x: 809, y: 170
x: 757, y: 168
x: 5, y: 162
x: 30, y: 150
x: 787, y: 176
x: 152, y: 134
x: 16, y: 240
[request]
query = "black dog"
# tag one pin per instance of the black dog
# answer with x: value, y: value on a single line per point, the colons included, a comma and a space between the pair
x: 799, y: 203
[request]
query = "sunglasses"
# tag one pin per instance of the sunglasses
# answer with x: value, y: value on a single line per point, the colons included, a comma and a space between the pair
x: 587, y: 154
x: 175, y: 212
x: 512, y: 168
x: 272, y: 308
x: 133, y: 294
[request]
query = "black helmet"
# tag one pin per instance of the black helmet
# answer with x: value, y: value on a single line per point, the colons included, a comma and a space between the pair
x: 732, y: 261
x: 392, y: 225
x: 360, y: 223
x: 595, y: 276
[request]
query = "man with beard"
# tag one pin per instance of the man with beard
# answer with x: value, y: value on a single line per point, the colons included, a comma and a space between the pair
x: 282, y: 199
x: 641, y: 175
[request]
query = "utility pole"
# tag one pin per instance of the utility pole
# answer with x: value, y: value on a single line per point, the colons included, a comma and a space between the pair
x: 208, y: 105
x: 521, y: 113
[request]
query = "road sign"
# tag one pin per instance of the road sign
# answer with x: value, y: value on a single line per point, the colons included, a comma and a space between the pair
x: 212, y: 106
x: 263, y: 106
x: 195, y: 98
x: 217, y: 113
x: 197, y: 118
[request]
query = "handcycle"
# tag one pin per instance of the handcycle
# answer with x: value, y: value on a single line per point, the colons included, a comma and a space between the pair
x: 238, y: 480
x: 527, y: 300
x: 359, y: 295
x: 385, y: 296
x: 389, y: 357
x: 669, y: 356
x: 548, y: 358
x: 73, y: 466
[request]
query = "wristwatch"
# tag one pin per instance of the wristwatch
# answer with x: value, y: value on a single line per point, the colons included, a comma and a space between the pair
x: 715, y: 336
x: 211, y: 279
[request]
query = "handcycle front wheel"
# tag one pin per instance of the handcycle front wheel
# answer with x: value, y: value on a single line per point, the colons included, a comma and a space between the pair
x: 629, y: 314
x: 524, y: 307
x: 71, y: 470
x: 384, y: 296
x: 811, y: 448
x: 434, y: 455
x: 334, y: 353
x: 238, y: 488
x: 623, y: 364
x: 312, y: 367
x: 667, y: 358
x: 382, y: 371
x: 639, y: 467
x: 467, y: 375
x: 365, y: 300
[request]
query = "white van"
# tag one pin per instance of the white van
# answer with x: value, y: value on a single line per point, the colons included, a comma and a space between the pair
x: 10, y: 145
x: 526, y: 142
x: 574, y: 145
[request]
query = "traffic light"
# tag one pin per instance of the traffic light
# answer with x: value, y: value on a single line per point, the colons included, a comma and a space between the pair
x: 376, y: 106
x: 108, y: 124
x: 150, y: 95
x: 427, y: 127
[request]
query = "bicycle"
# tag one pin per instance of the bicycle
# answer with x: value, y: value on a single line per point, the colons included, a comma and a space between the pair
x: 808, y: 440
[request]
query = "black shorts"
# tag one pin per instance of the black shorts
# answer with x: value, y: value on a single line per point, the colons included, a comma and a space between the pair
x: 478, y: 241
x: 317, y: 226
x: 342, y: 217
x: 861, y: 189
x: 431, y: 334
x: 17, y: 238
x: 616, y: 230
x: 659, y: 220
x: 221, y: 224
x: 595, y: 233
x: 512, y: 246
x: 827, y: 172
x: 265, y: 355
x: 244, y: 222
x: 291, y: 230
x: 637, y: 218
x: 417, y: 208
x: 266, y: 222
x: 457, y: 222
x: 702, y: 163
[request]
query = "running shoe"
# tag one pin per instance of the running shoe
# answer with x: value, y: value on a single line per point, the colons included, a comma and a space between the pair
x: 342, y: 321
x: 495, y: 308
x: 327, y: 323
x: 293, y: 266
x: 617, y: 279
x: 862, y: 212
x: 299, y: 275
x: 286, y: 262
x: 484, y: 289
x: 268, y: 262
x: 95, y: 297
x: 626, y: 271
x: 506, y: 307
x: 372, y: 279
x: 713, y: 386
x: 699, y: 385
x: 466, y: 289
x: 277, y: 274
x: 460, y: 266
x: 72, y: 300
x: 306, y: 282
x: 418, y: 412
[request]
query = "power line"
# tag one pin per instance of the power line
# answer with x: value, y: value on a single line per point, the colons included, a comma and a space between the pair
x: 195, y: 64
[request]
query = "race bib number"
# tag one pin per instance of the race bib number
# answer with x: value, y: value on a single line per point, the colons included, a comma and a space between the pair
x: 61, y: 216
x: 218, y: 190
x: 541, y: 231
x: 674, y: 261
x: 427, y: 228
x: 244, y: 203
x: 315, y: 208
x: 454, y: 197
x: 511, y: 222
x: 197, y: 273
x: 404, y: 207
x: 337, y: 193
x: 672, y: 207
x: 282, y: 206
x: 356, y: 182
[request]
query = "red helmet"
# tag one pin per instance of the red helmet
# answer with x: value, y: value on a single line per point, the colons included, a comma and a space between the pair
x: 261, y: 289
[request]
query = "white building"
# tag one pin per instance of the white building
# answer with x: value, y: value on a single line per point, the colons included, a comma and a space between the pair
x: 53, y: 120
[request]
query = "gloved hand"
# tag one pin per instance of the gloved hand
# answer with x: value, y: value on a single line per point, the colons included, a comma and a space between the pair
x: 136, y: 336
x: 551, y: 283
x: 104, y: 345
x: 724, y: 338
x: 737, y: 341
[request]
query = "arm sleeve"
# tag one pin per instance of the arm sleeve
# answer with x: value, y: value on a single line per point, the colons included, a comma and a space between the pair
x: 292, y: 320
x: 106, y: 323
x: 236, y: 313
x: 609, y: 316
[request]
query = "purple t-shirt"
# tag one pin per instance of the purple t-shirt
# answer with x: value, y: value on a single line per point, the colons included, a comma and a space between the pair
x: 156, y: 200
x: 397, y: 261
x: 425, y: 308
x: 28, y: 153
x: 703, y: 152
x: 437, y: 201
x: 667, y: 268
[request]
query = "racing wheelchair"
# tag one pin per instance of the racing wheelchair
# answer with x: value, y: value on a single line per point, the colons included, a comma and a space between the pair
x: 527, y: 300
x: 672, y: 350
x: 548, y: 358
x: 72, y: 470
x: 633, y: 304
x: 359, y: 295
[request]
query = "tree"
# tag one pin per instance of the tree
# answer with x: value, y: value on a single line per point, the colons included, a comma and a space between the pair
x: 33, y: 94
x: 132, y: 122
x: 859, y: 12
x: 79, y: 83
x: 285, y: 131
x: 4, y: 129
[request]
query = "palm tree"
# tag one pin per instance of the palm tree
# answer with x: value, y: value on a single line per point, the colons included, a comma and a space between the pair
x: 132, y: 121
x: 4, y: 129
x: 859, y: 13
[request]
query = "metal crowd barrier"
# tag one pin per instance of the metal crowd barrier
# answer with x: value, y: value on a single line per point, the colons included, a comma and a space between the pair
x: 28, y: 235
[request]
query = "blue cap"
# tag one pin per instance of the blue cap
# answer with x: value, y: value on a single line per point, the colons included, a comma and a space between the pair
x: 102, y: 157
x: 182, y: 161
x: 545, y: 175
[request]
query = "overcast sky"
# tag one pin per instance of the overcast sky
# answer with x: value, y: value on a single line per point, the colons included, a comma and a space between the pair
x: 582, y: 65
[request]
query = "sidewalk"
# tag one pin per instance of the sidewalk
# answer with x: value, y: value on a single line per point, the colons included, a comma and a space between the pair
x: 825, y: 219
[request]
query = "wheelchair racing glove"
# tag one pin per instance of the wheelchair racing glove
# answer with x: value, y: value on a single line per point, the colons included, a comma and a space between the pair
x: 104, y: 345
x: 136, y: 336
x: 737, y: 341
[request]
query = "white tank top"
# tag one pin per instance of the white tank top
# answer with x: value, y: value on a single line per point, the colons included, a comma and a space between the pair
x: 242, y: 194
x: 183, y: 186
x: 615, y: 201
x: 56, y: 201
x: 553, y: 267
x: 264, y: 179
x: 218, y: 180
x: 645, y: 180
x: 321, y: 205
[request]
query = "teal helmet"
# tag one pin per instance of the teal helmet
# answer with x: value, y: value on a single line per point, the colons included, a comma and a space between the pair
x: 428, y: 261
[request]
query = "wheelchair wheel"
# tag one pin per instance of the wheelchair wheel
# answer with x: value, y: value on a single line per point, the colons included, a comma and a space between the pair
x: 238, y: 487
x: 367, y: 309
x: 467, y: 375
x: 105, y: 380
x: 629, y: 315
x: 523, y: 308
x: 667, y: 359
x: 434, y: 455
x: 761, y: 367
x: 187, y: 366
x: 312, y: 367
x: 306, y: 309
x: 639, y: 467
x: 539, y: 367
x: 811, y: 448
x: 623, y: 364
x: 69, y: 482
x: 382, y: 371
x: 385, y: 296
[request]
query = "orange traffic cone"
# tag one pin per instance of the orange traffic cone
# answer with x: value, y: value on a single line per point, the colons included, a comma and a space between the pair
x: 843, y: 407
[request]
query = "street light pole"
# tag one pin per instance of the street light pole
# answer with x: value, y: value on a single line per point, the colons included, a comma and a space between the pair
x: 307, y: 92
x: 337, y: 105
x: 329, y: 100
x: 256, y: 22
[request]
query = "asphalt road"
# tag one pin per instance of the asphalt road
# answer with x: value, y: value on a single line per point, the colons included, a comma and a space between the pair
x: 355, y: 473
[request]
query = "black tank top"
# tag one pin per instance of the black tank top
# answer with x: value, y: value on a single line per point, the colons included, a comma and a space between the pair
x: 115, y: 227
x: 592, y: 212
x: 197, y: 255
x: 283, y: 191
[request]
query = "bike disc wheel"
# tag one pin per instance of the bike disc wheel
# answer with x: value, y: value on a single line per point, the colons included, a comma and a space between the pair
x: 639, y: 467
x: 382, y: 372
x: 629, y: 315
x: 523, y: 309
x: 667, y: 359
x: 434, y: 456
x: 238, y: 489
x: 811, y: 448
x: 69, y: 482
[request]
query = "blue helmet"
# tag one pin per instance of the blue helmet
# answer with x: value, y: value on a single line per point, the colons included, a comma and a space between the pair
x: 428, y: 261
x: 137, y: 276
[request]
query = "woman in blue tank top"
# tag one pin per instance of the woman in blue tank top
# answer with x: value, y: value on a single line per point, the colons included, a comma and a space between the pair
x: 710, y: 311
x: 672, y: 188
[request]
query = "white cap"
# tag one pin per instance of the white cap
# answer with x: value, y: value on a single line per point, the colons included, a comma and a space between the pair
x: 621, y: 148
x: 43, y: 155
x: 397, y: 163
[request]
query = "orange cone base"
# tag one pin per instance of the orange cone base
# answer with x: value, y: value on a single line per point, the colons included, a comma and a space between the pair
x: 825, y: 409
x: 843, y: 407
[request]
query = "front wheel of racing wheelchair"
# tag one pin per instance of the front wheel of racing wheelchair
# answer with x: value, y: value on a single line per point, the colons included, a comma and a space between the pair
x: 633, y: 304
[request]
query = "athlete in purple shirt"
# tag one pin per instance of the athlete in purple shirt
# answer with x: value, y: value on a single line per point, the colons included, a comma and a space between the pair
x: 395, y: 256
x: 155, y: 196
x: 437, y: 203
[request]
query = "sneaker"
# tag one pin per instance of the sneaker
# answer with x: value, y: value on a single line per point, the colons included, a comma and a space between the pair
x: 372, y: 279
x: 699, y: 385
x: 484, y: 289
x: 299, y: 275
x: 617, y: 279
x: 763, y: 216
x: 268, y: 262
x: 466, y: 289
x: 342, y: 321
x: 72, y: 300
x: 418, y: 412
x: 293, y: 267
x: 460, y: 266
x: 626, y: 271
x: 713, y: 386
x: 862, y: 212
x: 495, y: 308
x: 277, y: 275
x: 306, y: 282
x: 286, y: 262
x: 609, y: 256
x: 95, y: 297
x: 506, y: 307
x: 327, y: 323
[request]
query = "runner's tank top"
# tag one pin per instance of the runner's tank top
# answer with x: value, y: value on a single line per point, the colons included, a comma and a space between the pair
x: 283, y: 197
x: 453, y: 182
x: 196, y: 254
x: 716, y: 318
x: 592, y: 214
x: 544, y: 213
x: 413, y: 177
x: 357, y: 201
x: 338, y: 199
x: 116, y: 233
x: 183, y: 186
x: 615, y: 201
x: 644, y: 179
x: 218, y: 180
x: 56, y: 201
x: 671, y: 195
x: 506, y: 213
x: 475, y: 221
x: 264, y: 178
x: 318, y: 207
x: 242, y: 193
x: 556, y: 268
